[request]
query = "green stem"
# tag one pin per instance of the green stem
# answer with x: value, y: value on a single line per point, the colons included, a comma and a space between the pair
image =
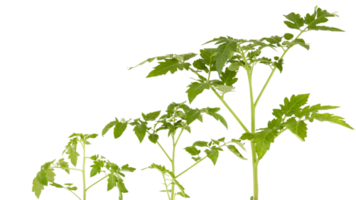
x: 173, y: 167
x: 231, y: 111
x: 192, y: 166
x: 165, y: 184
x: 253, y: 146
x: 175, y: 144
x: 264, y: 87
x: 67, y: 168
x: 96, y: 182
x: 73, y: 193
x: 164, y: 151
x: 83, y: 171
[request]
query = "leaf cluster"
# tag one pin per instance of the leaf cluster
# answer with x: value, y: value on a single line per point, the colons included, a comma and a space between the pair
x: 46, y: 174
x: 293, y: 115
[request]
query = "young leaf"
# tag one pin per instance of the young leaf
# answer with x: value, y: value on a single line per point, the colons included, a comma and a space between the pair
x: 226, y: 90
x: 299, y: 128
x: 192, y: 115
x: 331, y: 118
x: 111, y: 181
x: 312, y: 21
x: 72, y: 154
x: 153, y: 138
x: 107, y: 127
x: 233, y: 149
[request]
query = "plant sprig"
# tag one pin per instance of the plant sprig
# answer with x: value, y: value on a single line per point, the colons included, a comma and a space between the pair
x: 112, y: 171
x: 177, y: 119
x: 229, y: 56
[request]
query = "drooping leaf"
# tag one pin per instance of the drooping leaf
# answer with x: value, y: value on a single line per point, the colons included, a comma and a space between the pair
x: 153, y: 138
x: 140, y: 131
x: 195, y: 89
x: 57, y: 185
x: 331, y: 118
x: 299, y: 128
x: 238, y: 142
x: 107, y: 127
x: 37, y: 187
x: 111, y: 181
x: 183, y: 194
x: 233, y: 149
x: 192, y: 115
x: 120, y: 127
x: 72, y: 155
x: 212, y: 154
x: 151, y: 116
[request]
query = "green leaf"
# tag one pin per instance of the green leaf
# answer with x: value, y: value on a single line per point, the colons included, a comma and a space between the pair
x: 288, y: 36
x: 333, y: 119
x: 316, y: 21
x: 212, y: 112
x: 171, y: 65
x: 72, y: 154
x: 153, y: 138
x: 290, y: 104
x: 50, y: 175
x: 298, y: 129
x: 201, y: 143
x: 228, y: 77
x: 194, y: 115
x: 192, y: 150
x: 111, y: 181
x: 273, y: 40
x: 57, y: 185
x: 248, y: 136
x: 238, y: 142
x: 224, y: 51
x: 108, y: 126
x: 264, y: 140
x: 127, y: 168
x: 279, y: 65
x: 195, y: 89
x: 140, y: 128
x: 42, y: 177
x: 62, y: 163
x: 188, y: 56
x: 96, y: 167
x: 212, y: 154
x: 183, y: 195
x: 151, y: 115
x: 234, y: 150
x: 94, y: 157
x: 121, y: 186
x: 298, y: 41
x: 93, y: 135
x: 70, y: 185
x: 37, y: 188
x: 148, y: 60
x: 199, y: 64
x: 234, y: 67
x: 119, y: 130
x: 207, y: 55
x: 224, y: 88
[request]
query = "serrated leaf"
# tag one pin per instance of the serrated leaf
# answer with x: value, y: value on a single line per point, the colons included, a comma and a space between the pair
x: 195, y: 89
x: 96, y: 167
x: 264, y: 140
x: 37, y: 187
x: 298, y: 129
x: 50, y: 175
x: 107, y: 127
x: 224, y: 50
x: 228, y: 77
x: 333, y: 119
x: 127, y: 168
x: 316, y: 21
x: 208, y: 55
x: 169, y: 65
x: 290, y: 105
x: 111, y: 181
x: 72, y: 155
x: 42, y: 177
x: 64, y: 165
x: 279, y: 65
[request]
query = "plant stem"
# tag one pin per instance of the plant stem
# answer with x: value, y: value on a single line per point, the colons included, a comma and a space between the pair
x: 173, y: 167
x: 180, y: 134
x: 96, y: 182
x: 83, y: 171
x: 231, y: 111
x: 164, y: 151
x: 265, y: 86
x: 253, y: 146
x: 67, y: 168
x: 73, y: 193
x: 165, y: 184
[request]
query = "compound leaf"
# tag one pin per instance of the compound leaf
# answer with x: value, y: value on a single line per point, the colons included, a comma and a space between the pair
x: 171, y: 65
x: 195, y: 89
